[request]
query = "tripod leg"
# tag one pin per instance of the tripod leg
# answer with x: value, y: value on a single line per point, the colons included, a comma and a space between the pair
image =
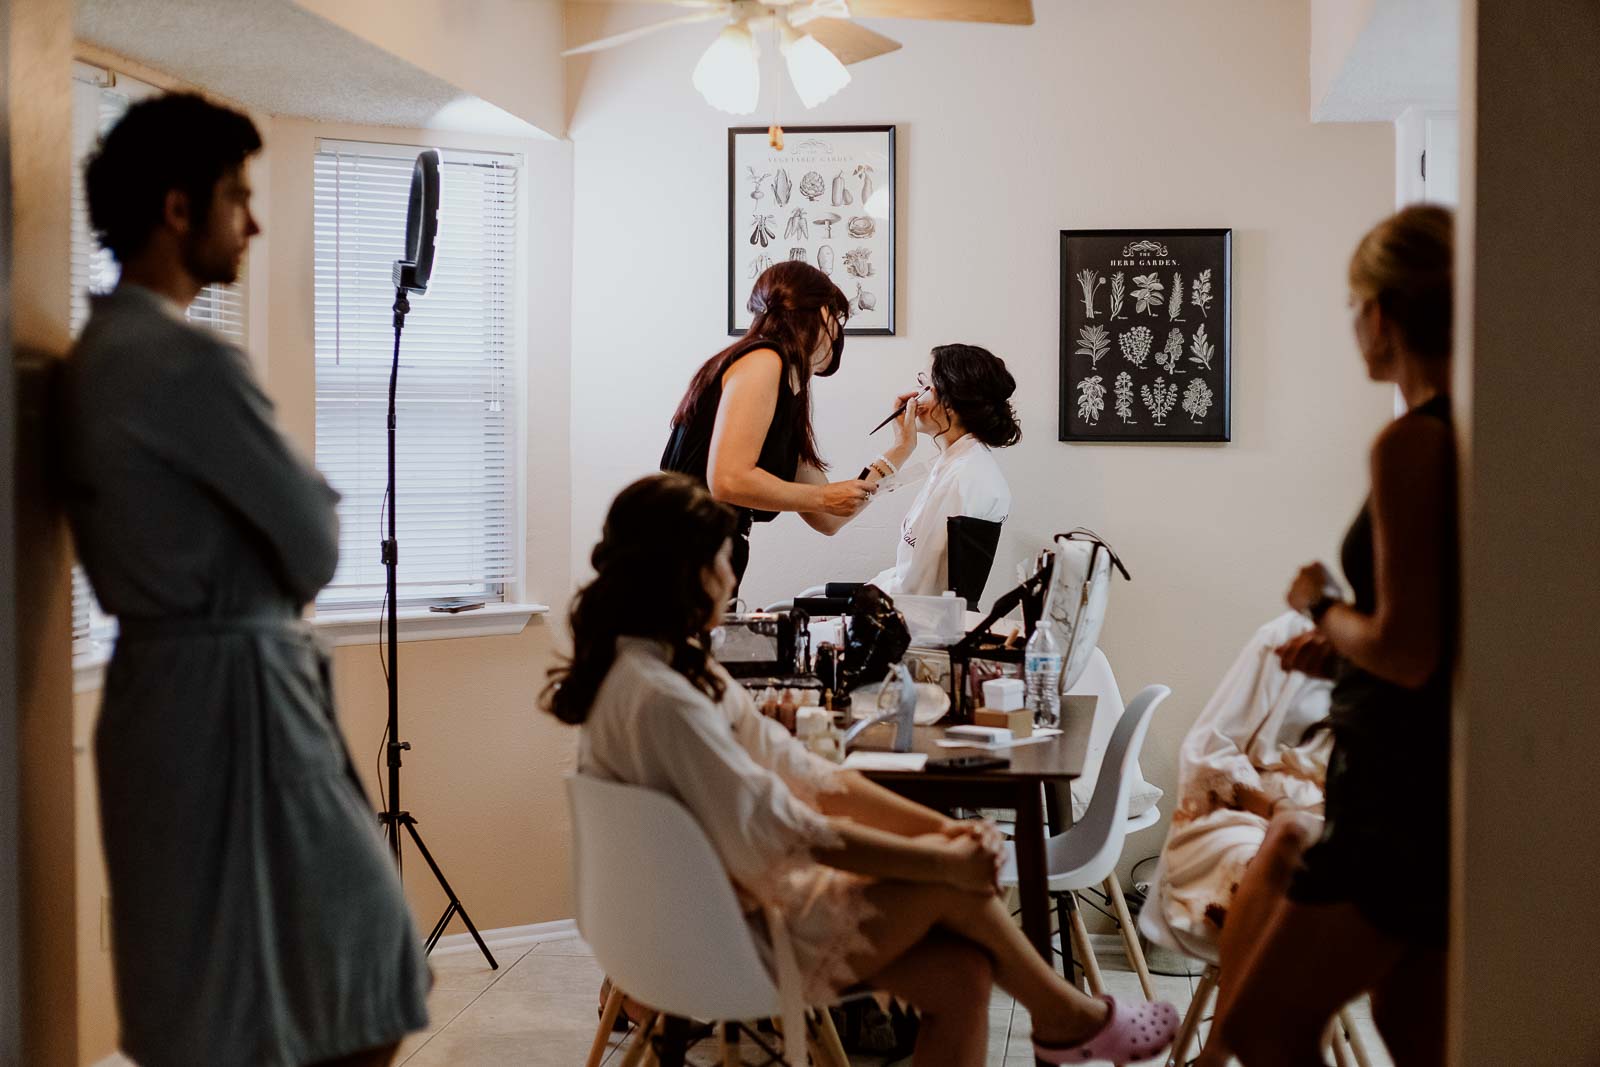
x: 455, y: 901
x: 439, y: 928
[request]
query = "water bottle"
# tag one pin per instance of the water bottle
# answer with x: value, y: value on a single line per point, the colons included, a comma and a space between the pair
x: 1042, y: 668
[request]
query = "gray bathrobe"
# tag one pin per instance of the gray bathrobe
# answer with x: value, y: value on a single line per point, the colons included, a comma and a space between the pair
x: 256, y: 918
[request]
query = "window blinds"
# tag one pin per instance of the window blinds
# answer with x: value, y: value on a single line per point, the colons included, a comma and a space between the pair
x: 94, y: 271
x: 454, y: 478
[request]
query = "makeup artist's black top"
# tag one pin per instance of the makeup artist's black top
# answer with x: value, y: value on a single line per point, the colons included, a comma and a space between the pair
x: 689, y: 448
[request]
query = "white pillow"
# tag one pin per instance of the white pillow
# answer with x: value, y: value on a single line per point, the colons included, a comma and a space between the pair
x: 1098, y: 680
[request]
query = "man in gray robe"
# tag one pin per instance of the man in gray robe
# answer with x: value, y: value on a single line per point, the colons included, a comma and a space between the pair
x: 256, y: 918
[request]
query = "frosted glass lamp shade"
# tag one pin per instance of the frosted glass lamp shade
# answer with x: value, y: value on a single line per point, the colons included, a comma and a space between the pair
x: 816, y: 72
x: 728, y: 75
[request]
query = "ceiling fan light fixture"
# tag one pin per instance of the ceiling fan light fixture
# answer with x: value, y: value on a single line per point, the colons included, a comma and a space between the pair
x: 729, y: 74
x: 816, y: 72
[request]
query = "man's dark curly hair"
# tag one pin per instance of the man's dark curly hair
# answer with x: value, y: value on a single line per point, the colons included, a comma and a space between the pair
x: 179, y: 141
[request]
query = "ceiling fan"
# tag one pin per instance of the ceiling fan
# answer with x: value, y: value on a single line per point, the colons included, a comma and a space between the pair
x: 816, y: 38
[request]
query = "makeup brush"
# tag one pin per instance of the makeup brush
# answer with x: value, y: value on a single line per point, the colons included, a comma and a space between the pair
x: 901, y: 410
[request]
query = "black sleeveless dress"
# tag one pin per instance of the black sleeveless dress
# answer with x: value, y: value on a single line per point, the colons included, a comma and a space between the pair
x: 1385, y: 844
x: 688, y: 449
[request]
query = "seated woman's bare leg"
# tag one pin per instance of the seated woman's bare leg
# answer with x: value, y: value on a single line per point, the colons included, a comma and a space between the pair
x: 1261, y: 890
x: 907, y: 913
x: 949, y: 979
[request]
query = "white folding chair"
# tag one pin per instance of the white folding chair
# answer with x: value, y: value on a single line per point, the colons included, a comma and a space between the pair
x: 655, y: 905
x: 1086, y: 854
x: 1098, y: 681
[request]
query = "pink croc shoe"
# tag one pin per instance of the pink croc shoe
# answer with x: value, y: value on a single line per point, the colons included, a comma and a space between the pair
x: 1133, y: 1033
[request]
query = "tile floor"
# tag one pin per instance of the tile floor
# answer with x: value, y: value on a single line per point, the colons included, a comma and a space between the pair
x: 538, y: 1010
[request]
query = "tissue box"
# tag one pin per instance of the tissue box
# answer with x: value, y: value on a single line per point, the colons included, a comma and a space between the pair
x: 1019, y: 721
x: 1003, y: 694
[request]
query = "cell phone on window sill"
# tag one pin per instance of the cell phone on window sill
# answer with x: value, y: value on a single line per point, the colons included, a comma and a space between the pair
x: 456, y: 607
x: 968, y: 763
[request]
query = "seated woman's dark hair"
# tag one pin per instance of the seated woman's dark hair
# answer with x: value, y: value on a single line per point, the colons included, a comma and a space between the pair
x: 974, y: 383
x: 660, y: 535
x: 178, y: 141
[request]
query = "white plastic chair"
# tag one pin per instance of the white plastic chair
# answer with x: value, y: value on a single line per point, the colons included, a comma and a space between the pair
x: 1097, y: 680
x: 1086, y: 854
x: 655, y: 905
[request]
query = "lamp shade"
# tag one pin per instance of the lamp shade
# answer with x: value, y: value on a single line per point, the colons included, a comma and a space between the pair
x: 816, y: 72
x: 728, y: 75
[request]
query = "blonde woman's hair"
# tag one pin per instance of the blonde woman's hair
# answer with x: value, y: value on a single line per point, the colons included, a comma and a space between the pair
x: 1407, y: 264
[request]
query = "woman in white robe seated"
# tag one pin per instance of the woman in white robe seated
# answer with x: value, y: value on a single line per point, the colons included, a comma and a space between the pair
x: 964, y: 407
x: 870, y: 887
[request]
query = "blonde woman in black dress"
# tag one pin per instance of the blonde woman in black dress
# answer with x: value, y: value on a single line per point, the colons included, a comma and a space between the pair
x: 1364, y: 908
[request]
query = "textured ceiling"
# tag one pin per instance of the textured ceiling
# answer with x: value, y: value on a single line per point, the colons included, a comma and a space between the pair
x: 1407, y: 55
x: 276, y: 57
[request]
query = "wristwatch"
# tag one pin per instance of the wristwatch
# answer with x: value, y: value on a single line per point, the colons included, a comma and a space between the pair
x: 1319, y: 607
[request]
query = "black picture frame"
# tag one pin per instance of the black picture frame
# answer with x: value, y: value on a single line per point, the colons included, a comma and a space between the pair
x: 1204, y: 416
x: 883, y: 315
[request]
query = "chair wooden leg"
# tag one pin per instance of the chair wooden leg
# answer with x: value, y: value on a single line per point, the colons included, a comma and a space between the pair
x: 602, y: 1036
x: 640, y: 1049
x: 1081, y: 948
x: 814, y: 1052
x: 831, y: 1044
x: 728, y: 1044
x: 1338, y: 1045
x: 1198, y: 1006
x: 1358, y: 1044
x: 1130, y: 935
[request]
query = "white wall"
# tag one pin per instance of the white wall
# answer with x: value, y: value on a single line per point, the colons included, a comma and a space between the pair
x: 1103, y: 114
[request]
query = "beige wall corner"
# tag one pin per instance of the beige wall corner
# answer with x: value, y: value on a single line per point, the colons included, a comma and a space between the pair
x: 1526, y: 732
x: 40, y: 104
x: 1336, y: 26
x: 507, y: 52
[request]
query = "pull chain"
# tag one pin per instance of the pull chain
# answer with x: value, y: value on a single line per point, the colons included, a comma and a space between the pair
x: 775, y: 131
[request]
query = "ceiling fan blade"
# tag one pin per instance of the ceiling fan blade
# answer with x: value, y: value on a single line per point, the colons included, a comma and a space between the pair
x: 1011, y: 12
x: 850, y: 41
x: 644, y: 31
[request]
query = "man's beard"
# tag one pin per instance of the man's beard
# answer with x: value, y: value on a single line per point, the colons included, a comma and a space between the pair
x: 209, y: 266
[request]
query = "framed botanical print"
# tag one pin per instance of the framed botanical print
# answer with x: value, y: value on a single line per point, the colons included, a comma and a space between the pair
x: 1146, y: 335
x: 826, y: 198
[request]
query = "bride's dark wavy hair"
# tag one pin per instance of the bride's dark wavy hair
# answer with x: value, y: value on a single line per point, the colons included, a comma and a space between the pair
x: 661, y: 533
x: 973, y: 382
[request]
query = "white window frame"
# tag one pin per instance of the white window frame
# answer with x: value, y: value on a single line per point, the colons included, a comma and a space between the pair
x: 358, y: 623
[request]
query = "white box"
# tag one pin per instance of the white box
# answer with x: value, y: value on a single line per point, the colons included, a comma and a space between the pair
x: 1003, y: 694
x: 987, y: 735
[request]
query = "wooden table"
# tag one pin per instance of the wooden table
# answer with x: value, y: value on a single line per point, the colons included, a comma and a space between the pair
x: 1021, y: 786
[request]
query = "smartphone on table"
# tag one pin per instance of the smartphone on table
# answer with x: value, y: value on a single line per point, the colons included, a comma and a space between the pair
x: 968, y: 763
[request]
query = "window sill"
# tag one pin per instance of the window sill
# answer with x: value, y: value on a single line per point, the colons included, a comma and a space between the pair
x: 420, y: 624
